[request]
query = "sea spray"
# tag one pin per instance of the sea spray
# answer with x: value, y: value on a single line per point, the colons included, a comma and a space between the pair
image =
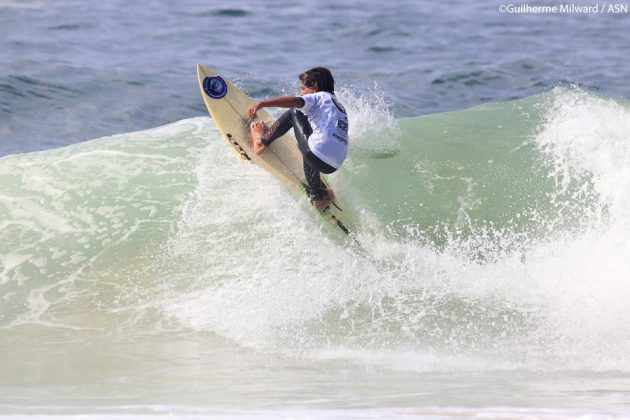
x: 486, y: 291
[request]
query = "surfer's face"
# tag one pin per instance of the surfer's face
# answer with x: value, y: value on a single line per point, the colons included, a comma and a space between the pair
x: 305, y: 90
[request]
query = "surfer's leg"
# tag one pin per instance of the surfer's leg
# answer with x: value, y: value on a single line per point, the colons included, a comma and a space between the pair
x: 302, y: 129
x: 278, y: 128
x: 315, y: 189
x: 320, y: 196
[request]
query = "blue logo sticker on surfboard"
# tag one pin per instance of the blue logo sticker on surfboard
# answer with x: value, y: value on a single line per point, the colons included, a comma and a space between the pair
x: 215, y: 87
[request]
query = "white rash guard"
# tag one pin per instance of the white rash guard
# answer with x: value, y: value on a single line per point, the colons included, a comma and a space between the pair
x: 329, y: 122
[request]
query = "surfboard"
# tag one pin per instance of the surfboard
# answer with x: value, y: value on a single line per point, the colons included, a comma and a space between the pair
x: 228, y: 106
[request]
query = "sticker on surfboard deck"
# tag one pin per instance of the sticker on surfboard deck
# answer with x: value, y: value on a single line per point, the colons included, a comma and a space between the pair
x: 215, y: 87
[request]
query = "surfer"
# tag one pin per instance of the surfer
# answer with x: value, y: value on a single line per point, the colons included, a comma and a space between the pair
x: 320, y: 124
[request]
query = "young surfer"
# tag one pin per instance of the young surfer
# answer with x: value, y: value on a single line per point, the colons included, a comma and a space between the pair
x: 320, y: 124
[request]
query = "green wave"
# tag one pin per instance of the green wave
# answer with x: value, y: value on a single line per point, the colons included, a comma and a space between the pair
x: 477, y: 222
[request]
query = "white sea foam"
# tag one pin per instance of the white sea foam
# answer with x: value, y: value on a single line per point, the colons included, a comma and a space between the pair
x: 198, y: 240
x: 554, y: 303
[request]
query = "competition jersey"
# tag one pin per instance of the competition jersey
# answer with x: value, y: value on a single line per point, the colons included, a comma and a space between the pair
x: 329, y: 122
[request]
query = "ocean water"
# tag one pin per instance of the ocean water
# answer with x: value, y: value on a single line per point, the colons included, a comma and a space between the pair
x: 145, y: 271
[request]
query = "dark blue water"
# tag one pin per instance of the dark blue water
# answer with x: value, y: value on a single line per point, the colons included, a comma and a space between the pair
x: 76, y: 70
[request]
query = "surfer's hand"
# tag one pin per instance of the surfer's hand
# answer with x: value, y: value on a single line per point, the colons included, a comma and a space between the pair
x: 253, y: 110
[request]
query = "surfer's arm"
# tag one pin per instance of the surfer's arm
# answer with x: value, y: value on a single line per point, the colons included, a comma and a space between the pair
x: 281, y: 102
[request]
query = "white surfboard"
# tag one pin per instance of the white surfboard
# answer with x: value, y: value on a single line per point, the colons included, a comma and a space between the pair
x: 228, y: 106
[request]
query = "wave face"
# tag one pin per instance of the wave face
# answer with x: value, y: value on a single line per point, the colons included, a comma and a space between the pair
x: 496, y: 238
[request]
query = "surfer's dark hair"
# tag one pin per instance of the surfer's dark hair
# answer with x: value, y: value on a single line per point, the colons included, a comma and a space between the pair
x: 320, y: 77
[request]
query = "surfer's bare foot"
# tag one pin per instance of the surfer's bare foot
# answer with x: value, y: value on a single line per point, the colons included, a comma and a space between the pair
x: 321, y: 205
x: 257, y: 129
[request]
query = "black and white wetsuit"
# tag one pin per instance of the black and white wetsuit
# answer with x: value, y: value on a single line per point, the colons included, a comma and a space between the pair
x: 321, y: 129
